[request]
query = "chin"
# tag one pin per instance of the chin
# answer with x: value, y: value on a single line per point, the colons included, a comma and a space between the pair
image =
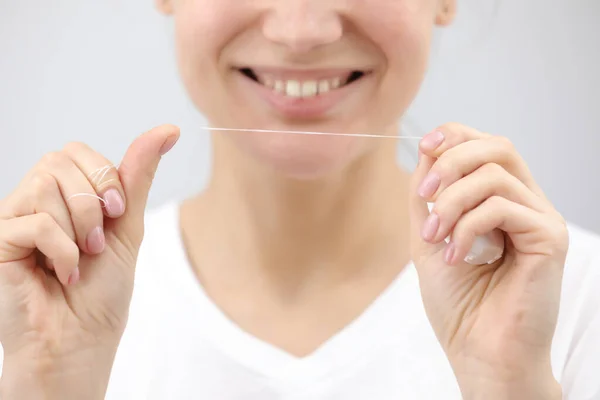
x: 303, y: 157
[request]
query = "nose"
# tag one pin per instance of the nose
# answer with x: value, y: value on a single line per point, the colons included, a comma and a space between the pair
x: 302, y: 25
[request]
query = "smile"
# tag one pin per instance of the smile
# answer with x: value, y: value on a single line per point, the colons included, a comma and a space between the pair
x: 300, y: 87
x: 301, y: 93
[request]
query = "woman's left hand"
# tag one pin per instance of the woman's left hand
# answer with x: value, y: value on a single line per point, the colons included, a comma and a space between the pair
x: 495, y: 322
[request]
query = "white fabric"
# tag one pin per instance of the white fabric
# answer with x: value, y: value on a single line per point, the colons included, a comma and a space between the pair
x: 178, y: 345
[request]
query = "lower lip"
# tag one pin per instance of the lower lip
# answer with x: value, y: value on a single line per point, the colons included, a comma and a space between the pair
x: 303, y: 107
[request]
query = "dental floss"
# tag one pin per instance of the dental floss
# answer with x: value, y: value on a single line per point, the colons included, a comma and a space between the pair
x: 87, y: 195
x: 96, y: 178
x: 486, y: 249
x: 369, y: 135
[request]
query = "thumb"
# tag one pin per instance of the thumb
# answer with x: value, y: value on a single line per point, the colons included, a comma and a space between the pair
x: 137, y: 170
x: 419, y: 212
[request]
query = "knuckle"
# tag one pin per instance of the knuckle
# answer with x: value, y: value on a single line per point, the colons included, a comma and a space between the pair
x: 462, y: 229
x: 493, y: 169
x: 74, y: 147
x: 452, y: 127
x: 495, y: 201
x: 443, y: 206
x: 504, y: 143
x: 72, y: 253
x: 449, y: 207
x: 443, y: 168
x: 43, y: 185
x: 68, y: 254
x: 496, y: 175
x: 443, y: 211
x: 56, y: 160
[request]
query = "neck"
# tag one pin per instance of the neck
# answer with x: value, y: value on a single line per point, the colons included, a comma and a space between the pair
x: 293, y: 229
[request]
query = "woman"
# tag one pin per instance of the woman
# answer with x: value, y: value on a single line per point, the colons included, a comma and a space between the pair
x: 290, y: 275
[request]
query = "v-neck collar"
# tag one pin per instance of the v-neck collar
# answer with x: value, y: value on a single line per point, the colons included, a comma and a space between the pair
x: 369, y: 330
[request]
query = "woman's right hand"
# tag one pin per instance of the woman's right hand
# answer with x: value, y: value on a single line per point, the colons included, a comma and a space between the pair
x: 67, y: 267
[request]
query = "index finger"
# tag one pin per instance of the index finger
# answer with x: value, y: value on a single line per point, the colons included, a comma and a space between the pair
x: 447, y: 136
x: 102, y: 175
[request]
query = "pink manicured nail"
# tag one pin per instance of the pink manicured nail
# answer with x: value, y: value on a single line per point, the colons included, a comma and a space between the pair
x: 168, y: 144
x: 432, y: 141
x: 115, y: 207
x: 430, y: 227
x: 74, y: 277
x: 95, y: 240
x: 430, y: 185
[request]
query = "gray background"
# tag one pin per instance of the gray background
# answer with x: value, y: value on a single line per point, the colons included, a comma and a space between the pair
x: 103, y: 71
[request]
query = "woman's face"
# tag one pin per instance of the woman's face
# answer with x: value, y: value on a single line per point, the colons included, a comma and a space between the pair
x: 350, y: 66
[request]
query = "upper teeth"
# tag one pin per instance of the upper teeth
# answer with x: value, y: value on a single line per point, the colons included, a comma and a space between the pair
x: 295, y: 88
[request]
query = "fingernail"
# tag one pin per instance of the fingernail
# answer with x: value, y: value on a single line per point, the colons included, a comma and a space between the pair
x: 449, y: 254
x: 115, y: 207
x: 168, y: 144
x: 95, y: 240
x: 430, y: 227
x: 430, y: 185
x: 74, y: 277
x: 432, y: 140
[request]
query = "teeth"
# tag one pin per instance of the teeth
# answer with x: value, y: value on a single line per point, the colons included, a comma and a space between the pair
x: 298, y: 89
x: 323, y: 86
x: 293, y: 89
x: 309, y: 88
x: 279, y: 86
x: 269, y: 83
x: 336, y: 83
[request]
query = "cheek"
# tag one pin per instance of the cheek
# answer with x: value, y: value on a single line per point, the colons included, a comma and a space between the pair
x: 202, y: 29
x: 402, y: 30
x: 205, y: 24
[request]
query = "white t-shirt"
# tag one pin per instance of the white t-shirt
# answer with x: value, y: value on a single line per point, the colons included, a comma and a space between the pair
x: 178, y: 345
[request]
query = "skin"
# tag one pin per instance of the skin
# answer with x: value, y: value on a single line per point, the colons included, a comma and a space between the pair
x: 322, y: 224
